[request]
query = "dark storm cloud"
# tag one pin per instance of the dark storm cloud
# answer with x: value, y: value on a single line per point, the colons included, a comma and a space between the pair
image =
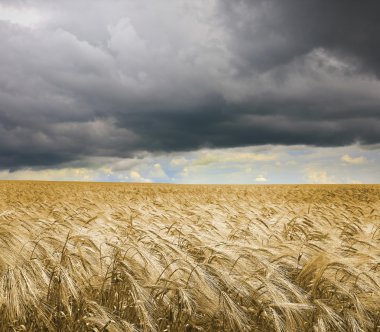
x: 172, y: 76
x: 217, y: 128
x: 272, y: 32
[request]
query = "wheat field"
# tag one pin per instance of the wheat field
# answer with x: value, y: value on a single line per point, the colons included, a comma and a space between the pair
x: 155, y: 257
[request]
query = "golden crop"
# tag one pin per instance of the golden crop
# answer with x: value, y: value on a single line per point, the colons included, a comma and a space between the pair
x: 153, y: 257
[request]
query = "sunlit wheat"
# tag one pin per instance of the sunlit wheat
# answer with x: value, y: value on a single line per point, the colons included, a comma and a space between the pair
x: 142, y: 257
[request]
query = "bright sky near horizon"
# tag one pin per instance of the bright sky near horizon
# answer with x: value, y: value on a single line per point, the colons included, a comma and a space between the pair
x: 184, y: 91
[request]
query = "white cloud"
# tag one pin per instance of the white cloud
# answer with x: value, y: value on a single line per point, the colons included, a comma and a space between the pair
x: 185, y: 172
x: 136, y: 177
x: 261, y: 178
x: 156, y: 172
x: 319, y: 176
x: 63, y: 174
x: 351, y: 160
x: 126, y: 164
x: 231, y: 156
x: 178, y: 161
x: 354, y: 181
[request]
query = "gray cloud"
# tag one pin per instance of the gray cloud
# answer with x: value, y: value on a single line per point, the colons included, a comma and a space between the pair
x: 95, y: 79
x: 272, y: 32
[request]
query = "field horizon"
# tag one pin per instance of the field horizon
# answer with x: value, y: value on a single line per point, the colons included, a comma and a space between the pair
x: 189, y: 184
x: 108, y: 256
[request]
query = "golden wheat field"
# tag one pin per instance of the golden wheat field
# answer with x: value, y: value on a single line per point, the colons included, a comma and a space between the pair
x: 155, y: 257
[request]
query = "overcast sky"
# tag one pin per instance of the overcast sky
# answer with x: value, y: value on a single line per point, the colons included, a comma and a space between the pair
x: 190, y: 91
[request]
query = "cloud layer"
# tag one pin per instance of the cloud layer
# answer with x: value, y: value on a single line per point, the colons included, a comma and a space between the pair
x: 90, y: 79
x: 256, y: 164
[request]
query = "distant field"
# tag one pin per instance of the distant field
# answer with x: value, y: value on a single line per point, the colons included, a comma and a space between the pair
x: 147, y: 257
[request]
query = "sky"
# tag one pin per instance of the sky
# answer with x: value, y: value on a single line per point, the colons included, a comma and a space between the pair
x: 190, y: 91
